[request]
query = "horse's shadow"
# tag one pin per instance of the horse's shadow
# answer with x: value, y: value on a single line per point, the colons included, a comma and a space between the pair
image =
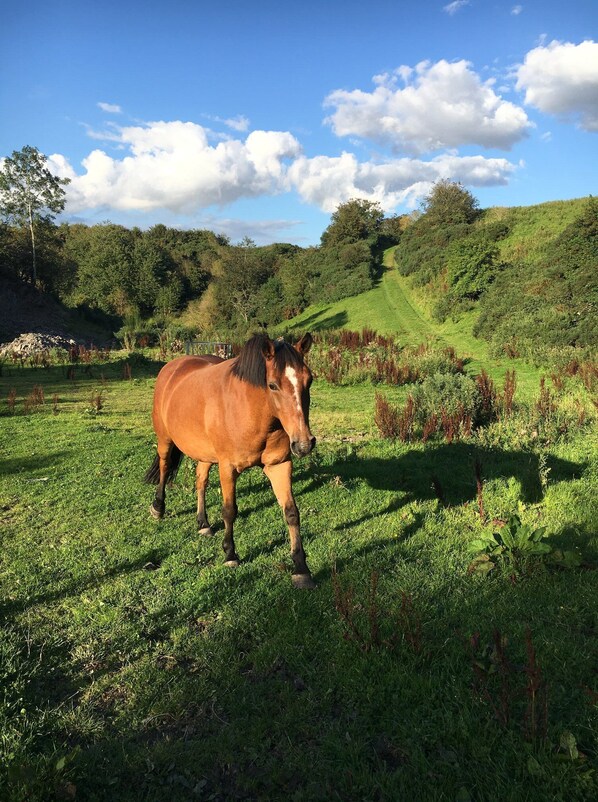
x: 446, y: 472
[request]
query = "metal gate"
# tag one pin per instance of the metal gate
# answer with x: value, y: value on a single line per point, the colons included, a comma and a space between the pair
x: 197, y: 347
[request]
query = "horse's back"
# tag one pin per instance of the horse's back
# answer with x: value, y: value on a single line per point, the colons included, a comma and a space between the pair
x: 176, y: 371
x: 183, y: 365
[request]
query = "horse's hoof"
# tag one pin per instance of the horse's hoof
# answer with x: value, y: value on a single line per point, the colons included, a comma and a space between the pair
x: 232, y: 563
x: 303, y: 581
x: 155, y: 512
x: 206, y: 531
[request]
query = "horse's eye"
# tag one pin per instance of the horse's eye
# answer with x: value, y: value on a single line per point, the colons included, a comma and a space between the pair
x: 273, y: 386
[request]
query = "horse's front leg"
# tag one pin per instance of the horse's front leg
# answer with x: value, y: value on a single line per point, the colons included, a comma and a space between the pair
x: 228, y: 481
x: 202, y: 472
x: 280, y: 478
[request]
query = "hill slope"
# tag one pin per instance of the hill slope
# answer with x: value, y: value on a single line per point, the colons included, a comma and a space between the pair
x: 394, y: 307
x: 401, y: 305
x: 25, y: 309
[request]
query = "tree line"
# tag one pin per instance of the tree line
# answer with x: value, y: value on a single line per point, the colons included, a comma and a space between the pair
x: 153, y: 275
x: 147, y: 279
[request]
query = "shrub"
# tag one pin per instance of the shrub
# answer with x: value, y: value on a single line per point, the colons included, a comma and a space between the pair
x: 455, y: 393
x: 386, y: 418
x: 350, y: 357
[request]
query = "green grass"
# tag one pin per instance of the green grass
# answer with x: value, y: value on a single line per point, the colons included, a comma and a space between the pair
x: 135, y: 666
x: 533, y: 227
x: 392, y: 307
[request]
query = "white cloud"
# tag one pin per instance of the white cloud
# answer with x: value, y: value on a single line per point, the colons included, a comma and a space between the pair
x: 238, y: 123
x: 516, y: 10
x: 178, y: 167
x: 261, y: 231
x: 171, y: 165
x: 442, y: 105
x: 110, y: 108
x: 327, y: 181
x: 455, y: 6
x: 561, y: 78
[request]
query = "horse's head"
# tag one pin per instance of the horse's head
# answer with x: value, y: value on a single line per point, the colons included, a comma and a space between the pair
x: 288, y: 380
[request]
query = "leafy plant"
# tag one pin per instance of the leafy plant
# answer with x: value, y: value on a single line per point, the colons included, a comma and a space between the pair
x: 516, y: 542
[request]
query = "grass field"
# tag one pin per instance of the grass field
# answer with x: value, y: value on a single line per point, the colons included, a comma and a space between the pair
x: 135, y: 666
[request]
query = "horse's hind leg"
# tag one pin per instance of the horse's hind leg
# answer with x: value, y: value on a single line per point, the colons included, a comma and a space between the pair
x: 228, y: 481
x: 280, y: 479
x: 202, y: 472
x: 158, y: 505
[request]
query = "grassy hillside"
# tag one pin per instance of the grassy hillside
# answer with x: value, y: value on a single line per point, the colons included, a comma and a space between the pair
x: 532, y: 228
x: 394, y: 307
x: 405, y: 306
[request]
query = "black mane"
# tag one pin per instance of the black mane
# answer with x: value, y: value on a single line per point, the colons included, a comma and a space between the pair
x: 250, y: 365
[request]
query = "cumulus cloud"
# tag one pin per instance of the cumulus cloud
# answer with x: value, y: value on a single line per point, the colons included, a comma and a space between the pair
x: 327, y: 181
x: 110, y: 108
x: 455, y: 6
x: 516, y: 10
x: 441, y: 105
x: 172, y: 165
x: 181, y: 168
x: 261, y: 231
x: 561, y: 78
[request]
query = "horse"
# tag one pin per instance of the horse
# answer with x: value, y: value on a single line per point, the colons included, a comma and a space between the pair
x: 249, y: 411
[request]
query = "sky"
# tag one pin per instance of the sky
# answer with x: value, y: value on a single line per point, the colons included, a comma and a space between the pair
x: 259, y: 119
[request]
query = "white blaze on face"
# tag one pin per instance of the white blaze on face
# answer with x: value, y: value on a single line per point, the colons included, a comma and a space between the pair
x: 291, y: 375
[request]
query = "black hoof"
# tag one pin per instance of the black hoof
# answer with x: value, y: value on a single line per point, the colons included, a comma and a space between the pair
x: 303, y: 581
x: 157, y: 509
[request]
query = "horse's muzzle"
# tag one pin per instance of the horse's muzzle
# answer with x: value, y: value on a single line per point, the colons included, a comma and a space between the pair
x: 301, y: 448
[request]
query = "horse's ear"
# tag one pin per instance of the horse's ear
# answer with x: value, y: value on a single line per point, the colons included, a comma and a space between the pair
x: 304, y: 344
x: 268, y: 348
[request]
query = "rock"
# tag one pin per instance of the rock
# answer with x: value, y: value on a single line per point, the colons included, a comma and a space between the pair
x: 26, y: 345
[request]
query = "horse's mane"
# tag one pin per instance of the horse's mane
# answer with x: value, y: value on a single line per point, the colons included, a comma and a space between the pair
x: 250, y: 365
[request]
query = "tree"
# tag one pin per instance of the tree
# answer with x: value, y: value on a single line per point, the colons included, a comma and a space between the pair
x: 245, y: 269
x: 30, y: 194
x: 106, y: 275
x: 449, y: 203
x: 353, y: 221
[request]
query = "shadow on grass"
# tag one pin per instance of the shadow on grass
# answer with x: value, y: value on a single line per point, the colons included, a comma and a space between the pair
x: 319, y: 321
x: 234, y: 684
x: 448, y: 470
x: 31, y: 464
x: 443, y: 472
x: 152, y: 558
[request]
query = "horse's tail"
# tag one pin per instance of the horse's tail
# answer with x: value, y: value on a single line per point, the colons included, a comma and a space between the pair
x: 152, y: 476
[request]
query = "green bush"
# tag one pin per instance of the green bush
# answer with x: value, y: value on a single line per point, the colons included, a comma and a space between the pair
x: 453, y: 392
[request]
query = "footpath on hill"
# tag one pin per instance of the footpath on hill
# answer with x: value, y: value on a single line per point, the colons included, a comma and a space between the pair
x: 392, y: 308
x: 416, y: 327
x: 408, y: 319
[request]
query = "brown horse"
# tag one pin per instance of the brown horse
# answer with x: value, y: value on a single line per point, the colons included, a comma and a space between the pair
x: 251, y: 410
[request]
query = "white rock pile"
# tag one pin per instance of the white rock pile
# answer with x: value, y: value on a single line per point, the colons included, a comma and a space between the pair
x: 27, y: 345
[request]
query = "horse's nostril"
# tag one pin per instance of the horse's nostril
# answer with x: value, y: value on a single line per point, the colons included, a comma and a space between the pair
x: 302, y: 447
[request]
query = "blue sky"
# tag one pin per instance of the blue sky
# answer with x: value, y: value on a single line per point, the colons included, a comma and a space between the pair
x: 259, y: 119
